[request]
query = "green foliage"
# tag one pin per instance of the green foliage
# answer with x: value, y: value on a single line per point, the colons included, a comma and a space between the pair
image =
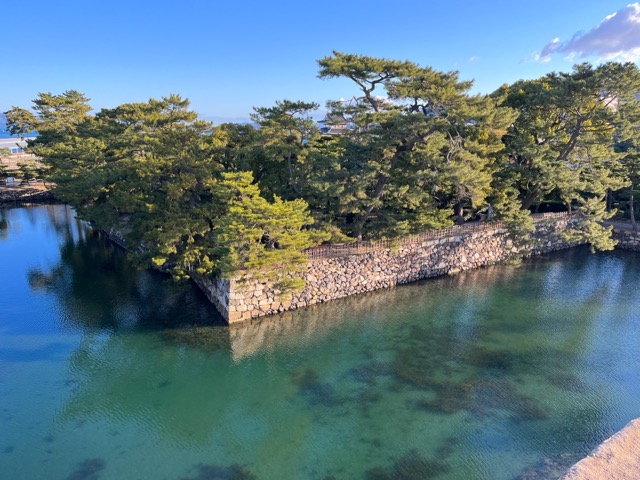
x: 4, y: 169
x: 155, y: 173
x: 628, y: 146
x: 508, y: 208
x: 563, y: 143
x: 255, y: 233
x: 419, y: 153
x: 425, y: 147
x: 28, y: 171
x: 285, y: 132
x: 20, y: 122
x: 4, y: 172
x: 241, y: 149
x: 589, y: 227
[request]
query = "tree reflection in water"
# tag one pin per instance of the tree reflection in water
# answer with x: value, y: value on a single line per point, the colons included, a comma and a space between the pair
x: 100, y: 289
x: 532, y: 359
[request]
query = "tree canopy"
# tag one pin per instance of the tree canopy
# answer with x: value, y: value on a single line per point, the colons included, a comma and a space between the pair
x: 419, y: 152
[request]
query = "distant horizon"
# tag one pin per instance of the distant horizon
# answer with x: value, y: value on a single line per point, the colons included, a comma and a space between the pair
x: 215, y: 119
x: 229, y: 58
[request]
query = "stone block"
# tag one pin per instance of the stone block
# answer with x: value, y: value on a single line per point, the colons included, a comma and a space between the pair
x: 234, y: 317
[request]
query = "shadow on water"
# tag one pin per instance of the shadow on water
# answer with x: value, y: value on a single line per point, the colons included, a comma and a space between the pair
x: 133, y: 321
x: 102, y: 290
x: 529, y: 359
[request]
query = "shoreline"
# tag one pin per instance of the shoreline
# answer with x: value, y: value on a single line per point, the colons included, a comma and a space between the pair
x: 615, y: 458
x: 34, y: 193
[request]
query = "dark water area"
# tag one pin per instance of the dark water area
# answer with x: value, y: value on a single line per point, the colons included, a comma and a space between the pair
x: 508, y: 372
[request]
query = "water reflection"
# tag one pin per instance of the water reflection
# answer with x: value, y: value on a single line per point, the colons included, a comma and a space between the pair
x: 504, y: 372
x: 98, y: 287
x: 122, y: 380
x: 4, y: 225
x: 185, y: 383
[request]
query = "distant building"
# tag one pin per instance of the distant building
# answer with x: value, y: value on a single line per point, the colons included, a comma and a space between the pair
x: 334, y: 124
x: 14, y: 145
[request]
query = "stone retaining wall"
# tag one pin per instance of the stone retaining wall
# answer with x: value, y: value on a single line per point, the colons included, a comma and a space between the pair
x: 25, y: 195
x: 327, y: 279
x: 615, y: 459
x: 627, y: 239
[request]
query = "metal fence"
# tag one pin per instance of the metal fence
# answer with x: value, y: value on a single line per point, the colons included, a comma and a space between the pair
x: 361, y: 247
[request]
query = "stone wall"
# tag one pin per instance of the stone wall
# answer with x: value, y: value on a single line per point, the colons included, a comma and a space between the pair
x: 330, y: 277
x: 615, y: 459
x: 219, y: 292
x: 627, y: 238
x: 25, y: 194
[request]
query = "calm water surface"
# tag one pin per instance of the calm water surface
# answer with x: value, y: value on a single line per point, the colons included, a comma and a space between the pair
x: 109, y: 373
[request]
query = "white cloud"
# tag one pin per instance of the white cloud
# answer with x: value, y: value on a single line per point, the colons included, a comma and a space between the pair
x: 549, y: 48
x: 615, y: 37
x: 473, y: 59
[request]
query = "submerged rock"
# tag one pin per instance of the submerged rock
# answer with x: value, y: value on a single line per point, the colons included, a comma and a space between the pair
x: 316, y: 392
x: 90, y: 469
x: 217, y: 472
x: 411, y: 466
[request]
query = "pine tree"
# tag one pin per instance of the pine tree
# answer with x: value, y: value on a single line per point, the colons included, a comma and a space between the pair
x: 286, y: 133
x: 266, y: 238
x: 424, y: 146
x: 563, y: 143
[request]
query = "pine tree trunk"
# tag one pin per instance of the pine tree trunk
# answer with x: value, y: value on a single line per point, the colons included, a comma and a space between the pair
x: 292, y: 180
x: 528, y: 201
x: 459, y: 212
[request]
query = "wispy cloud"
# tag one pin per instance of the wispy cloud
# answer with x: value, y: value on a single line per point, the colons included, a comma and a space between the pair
x: 617, y: 36
x: 473, y: 59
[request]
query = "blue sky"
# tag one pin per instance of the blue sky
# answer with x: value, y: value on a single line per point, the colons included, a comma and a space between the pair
x: 229, y: 56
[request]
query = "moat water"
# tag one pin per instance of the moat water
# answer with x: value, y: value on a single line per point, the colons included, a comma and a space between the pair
x: 111, y: 373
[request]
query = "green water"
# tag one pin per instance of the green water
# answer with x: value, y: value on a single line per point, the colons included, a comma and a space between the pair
x: 108, y: 373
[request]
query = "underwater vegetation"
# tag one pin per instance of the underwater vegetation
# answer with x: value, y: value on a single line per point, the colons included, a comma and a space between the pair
x: 467, y: 377
x: 496, y: 394
x: 217, y: 472
x: 367, y: 398
x: 568, y: 382
x: 89, y: 469
x: 369, y: 373
x: 447, y: 447
x: 315, y: 391
x: 481, y: 396
x: 318, y: 393
x: 411, y: 466
x: 552, y: 467
x: 163, y: 384
x: 450, y: 397
x: 208, y: 339
x: 417, y: 363
x: 579, y: 435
